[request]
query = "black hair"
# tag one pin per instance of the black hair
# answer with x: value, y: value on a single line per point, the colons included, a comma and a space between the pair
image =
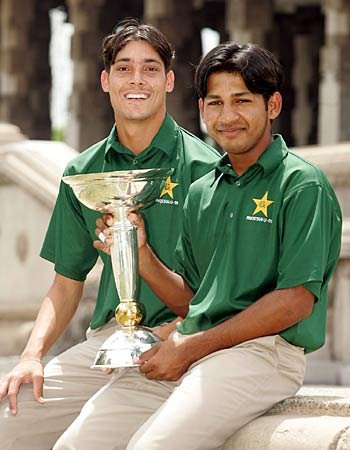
x: 260, y: 70
x: 132, y: 30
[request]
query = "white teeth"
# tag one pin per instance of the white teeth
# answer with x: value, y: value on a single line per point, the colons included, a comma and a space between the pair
x: 129, y: 96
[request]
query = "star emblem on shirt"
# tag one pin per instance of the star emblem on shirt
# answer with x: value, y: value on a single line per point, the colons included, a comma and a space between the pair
x: 262, y: 204
x: 168, y: 188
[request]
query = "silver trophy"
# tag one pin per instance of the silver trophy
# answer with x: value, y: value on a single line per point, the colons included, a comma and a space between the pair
x: 117, y: 193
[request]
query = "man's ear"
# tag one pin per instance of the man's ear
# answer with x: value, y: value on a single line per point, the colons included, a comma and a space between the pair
x: 201, y: 107
x: 274, y: 105
x: 170, y: 81
x: 104, y: 81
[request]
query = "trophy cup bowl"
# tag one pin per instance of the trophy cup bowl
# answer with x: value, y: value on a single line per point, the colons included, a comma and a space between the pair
x: 117, y: 193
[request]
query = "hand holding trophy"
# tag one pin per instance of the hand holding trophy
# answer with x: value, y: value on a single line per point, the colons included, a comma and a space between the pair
x: 117, y: 193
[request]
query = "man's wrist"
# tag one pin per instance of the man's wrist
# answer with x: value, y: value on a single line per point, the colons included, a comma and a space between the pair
x: 31, y: 360
x: 146, y: 258
x: 31, y: 356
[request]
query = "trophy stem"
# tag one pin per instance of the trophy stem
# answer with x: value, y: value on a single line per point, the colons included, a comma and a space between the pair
x: 124, y: 255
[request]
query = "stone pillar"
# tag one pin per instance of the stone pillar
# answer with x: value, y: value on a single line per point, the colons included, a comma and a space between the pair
x: 335, y: 74
x: 301, y: 78
x: 87, y: 122
x: 25, y: 73
x: 248, y: 20
x: 177, y: 20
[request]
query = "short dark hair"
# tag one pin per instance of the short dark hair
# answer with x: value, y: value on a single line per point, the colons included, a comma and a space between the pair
x: 132, y: 30
x: 261, y: 71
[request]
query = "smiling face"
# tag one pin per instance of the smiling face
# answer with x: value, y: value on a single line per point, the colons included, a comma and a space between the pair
x: 137, y: 84
x: 237, y: 119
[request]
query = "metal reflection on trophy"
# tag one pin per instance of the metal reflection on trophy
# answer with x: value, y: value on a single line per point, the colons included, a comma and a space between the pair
x: 117, y: 193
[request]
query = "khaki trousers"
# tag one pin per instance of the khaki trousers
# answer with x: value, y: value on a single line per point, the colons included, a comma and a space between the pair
x: 216, y: 397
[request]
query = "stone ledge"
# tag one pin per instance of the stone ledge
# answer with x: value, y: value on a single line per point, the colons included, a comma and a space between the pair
x: 317, y: 418
x: 316, y: 401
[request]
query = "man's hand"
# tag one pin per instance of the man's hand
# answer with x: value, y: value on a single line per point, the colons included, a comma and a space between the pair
x: 167, y: 360
x: 26, y: 371
x: 103, y: 233
x: 164, y: 331
x: 136, y: 219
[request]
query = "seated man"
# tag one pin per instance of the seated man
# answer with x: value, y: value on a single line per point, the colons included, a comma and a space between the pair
x: 260, y: 241
x: 137, y: 78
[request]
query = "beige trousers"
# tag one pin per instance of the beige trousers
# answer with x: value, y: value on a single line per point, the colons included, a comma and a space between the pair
x: 217, y: 396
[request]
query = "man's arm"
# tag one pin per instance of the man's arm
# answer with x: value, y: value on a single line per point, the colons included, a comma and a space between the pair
x: 55, y: 313
x: 271, y: 314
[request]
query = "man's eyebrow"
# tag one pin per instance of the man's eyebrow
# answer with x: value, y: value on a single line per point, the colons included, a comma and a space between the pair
x: 236, y: 94
x: 146, y: 60
x: 240, y: 94
x: 152, y: 60
x: 213, y: 95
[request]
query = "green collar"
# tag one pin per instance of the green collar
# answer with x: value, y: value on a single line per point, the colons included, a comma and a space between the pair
x: 268, y: 160
x: 165, y: 140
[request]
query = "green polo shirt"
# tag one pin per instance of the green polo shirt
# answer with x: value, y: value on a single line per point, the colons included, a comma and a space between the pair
x: 68, y: 242
x: 276, y: 226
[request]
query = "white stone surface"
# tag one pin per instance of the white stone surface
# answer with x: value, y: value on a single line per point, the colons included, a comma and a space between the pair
x: 344, y: 375
x: 29, y: 177
x: 292, y: 432
x: 30, y: 172
x: 322, y: 372
x: 318, y: 418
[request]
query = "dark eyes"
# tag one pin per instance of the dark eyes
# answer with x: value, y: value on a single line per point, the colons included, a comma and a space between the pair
x: 239, y: 101
x: 129, y: 69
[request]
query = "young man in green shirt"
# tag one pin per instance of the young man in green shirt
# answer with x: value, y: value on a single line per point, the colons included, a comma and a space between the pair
x: 137, y: 77
x: 260, y: 241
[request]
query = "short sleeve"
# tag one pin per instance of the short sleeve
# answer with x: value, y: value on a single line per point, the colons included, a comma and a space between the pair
x: 68, y: 243
x: 308, y: 221
x: 185, y: 263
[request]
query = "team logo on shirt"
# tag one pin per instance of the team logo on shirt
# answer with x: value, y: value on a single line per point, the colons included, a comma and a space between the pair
x: 167, y: 191
x: 261, y: 206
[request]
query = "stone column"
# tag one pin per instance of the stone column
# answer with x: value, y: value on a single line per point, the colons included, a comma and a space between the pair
x: 25, y: 73
x: 248, y: 20
x: 178, y: 21
x: 87, y: 122
x: 335, y: 74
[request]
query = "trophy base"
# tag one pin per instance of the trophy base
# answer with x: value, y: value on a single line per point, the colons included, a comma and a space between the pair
x: 120, y: 349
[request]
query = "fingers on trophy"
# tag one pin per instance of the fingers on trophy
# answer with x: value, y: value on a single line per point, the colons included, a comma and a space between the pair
x: 117, y: 193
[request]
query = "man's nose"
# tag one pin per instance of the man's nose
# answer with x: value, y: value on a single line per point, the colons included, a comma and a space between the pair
x: 229, y: 113
x: 137, y: 77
